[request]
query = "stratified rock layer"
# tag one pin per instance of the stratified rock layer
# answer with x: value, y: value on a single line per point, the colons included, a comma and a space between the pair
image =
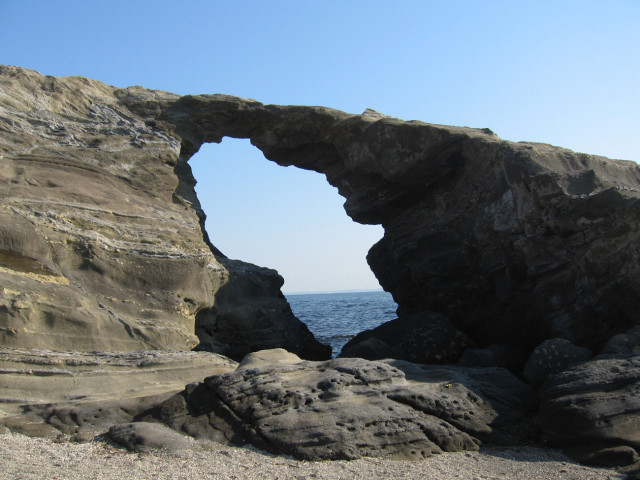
x: 513, y: 242
x: 595, y: 403
x: 495, y: 247
x: 101, y: 238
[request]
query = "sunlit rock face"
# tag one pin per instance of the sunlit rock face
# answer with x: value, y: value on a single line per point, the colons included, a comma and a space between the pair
x: 101, y: 238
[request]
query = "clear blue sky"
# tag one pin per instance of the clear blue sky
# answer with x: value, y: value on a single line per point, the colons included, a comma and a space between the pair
x: 557, y: 71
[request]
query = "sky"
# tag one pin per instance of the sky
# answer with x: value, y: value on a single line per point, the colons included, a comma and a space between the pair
x: 564, y: 72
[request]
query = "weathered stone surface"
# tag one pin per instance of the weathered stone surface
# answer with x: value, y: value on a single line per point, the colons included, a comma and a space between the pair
x: 84, y: 420
x: 348, y: 408
x: 269, y: 357
x: 627, y: 343
x: 418, y: 338
x: 553, y: 356
x: 515, y: 243
x: 102, y: 247
x: 149, y: 437
x: 596, y: 403
x: 30, y: 376
x: 101, y: 238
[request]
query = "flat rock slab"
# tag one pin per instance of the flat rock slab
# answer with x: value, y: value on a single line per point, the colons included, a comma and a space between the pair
x: 347, y: 408
x: 38, y: 376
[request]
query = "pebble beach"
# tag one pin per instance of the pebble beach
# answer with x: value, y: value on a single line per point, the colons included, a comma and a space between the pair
x: 26, y: 458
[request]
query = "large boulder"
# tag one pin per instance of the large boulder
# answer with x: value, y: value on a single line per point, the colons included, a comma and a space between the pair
x: 349, y: 408
x: 149, y: 437
x: 595, y: 405
x: 553, y: 356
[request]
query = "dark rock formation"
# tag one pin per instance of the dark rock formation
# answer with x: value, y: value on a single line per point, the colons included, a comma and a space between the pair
x: 101, y: 238
x: 553, y: 356
x: 505, y: 356
x: 349, y: 408
x: 418, y: 338
x: 514, y: 243
x: 627, y: 343
x: 595, y: 405
x: 491, y: 248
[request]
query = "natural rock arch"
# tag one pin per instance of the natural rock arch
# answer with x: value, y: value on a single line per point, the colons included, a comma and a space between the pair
x: 514, y: 243
x: 502, y: 238
x: 288, y: 219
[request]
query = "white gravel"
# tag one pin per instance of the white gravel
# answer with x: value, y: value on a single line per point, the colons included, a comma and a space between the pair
x: 28, y: 458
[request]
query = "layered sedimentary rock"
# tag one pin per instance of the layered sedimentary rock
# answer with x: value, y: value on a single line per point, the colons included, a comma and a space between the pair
x: 595, y: 405
x: 101, y: 238
x: 31, y: 376
x: 513, y: 242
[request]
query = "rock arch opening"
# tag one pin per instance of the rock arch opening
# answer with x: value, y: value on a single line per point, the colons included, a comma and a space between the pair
x: 293, y: 221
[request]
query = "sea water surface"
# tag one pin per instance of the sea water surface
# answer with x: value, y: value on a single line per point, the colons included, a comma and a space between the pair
x: 335, y: 318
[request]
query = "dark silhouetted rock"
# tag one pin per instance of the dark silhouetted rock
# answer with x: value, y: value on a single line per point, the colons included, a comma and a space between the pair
x: 595, y: 404
x: 349, y: 408
x: 421, y: 338
x: 627, y: 343
x: 514, y: 243
x: 553, y: 356
x: 505, y: 356
x: 604, y: 457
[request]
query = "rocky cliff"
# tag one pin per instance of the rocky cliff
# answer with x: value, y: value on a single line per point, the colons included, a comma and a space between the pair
x: 101, y: 238
x: 513, y: 243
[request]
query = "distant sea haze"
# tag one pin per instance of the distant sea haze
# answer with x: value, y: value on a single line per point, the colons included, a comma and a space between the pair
x: 335, y: 318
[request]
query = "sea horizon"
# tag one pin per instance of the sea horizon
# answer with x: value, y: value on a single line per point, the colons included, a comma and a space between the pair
x: 329, y: 292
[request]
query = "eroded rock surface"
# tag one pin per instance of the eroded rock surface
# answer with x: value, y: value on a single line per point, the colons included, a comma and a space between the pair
x: 596, y: 404
x: 101, y: 238
x: 349, y: 408
x: 514, y: 243
x: 30, y: 376
x: 419, y: 338
x: 506, y: 244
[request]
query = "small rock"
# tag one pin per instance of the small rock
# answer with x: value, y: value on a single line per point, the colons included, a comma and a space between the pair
x: 149, y: 437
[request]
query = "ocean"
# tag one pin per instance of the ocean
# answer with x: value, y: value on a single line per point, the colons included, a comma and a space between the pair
x: 335, y: 318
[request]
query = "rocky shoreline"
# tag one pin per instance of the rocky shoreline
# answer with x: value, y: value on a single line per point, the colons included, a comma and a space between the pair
x: 514, y: 266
